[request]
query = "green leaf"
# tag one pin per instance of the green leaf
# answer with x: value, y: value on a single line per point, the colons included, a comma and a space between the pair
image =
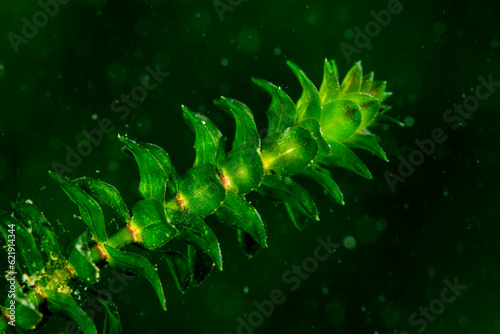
x: 324, y: 178
x: 139, y: 265
x: 352, y: 80
x: 340, y: 119
x: 151, y: 224
x: 367, y: 141
x: 201, y: 191
x: 64, y: 304
x: 281, y: 113
x: 112, y: 322
x: 384, y: 108
x: 173, y: 178
x: 81, y: 261
x: 153, y: 178
x: 330, y: 88
x: 248, y: 245
x: 237, y: 213
x: 308, y: 105
x: 105, y: 194
x: 205, y: 145
x: 299, y: 220
x: 385, y: 96
x: 382, y: 119
x: 313, y: 126
x: 90, y: 211
x: 285, y: 189
x: 368, y: 105
x: 28, y: 258
x: 342, y: 156
x: 193, y: 230
x: 180, y: 269
x: 27, y: 315
x: 242, y: 169
x: 246, y: 130
x: 200, y: 264
x: 219, y: 139
x: 367, y: 82
x: 40, y: 228
x: 377, y: 90
x: 289, y: 151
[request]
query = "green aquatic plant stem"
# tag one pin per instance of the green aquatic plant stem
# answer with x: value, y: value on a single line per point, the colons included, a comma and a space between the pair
x: 124, y: 236
x: 309, y: 138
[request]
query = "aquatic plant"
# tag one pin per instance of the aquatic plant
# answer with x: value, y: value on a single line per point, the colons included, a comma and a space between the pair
x: 307, y: 138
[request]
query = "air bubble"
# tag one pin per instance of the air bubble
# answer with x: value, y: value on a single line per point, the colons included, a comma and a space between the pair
x: 409, y: 121
x: 349, y: 242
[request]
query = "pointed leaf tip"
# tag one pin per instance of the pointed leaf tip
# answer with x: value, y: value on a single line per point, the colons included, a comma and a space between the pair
x: 352, y: 80
x: 153, y: 180
x: 369, y: 142
x: 89, y: 209
x: 248, y: 245
x: 324, y: 178
x: 64, y: 304
x: 298, y: 202
x: 281, y: 113
x: 342, y: 156
x: 180, y: 269
x: 193, y: 230
x: 308, y: 105
x: 139, y: 265
x: 206, y: 142
x: 106, y: 194
x: 201, y: 265
x: 237, y: 213
x: 246, y: 129
x: 330, y: 87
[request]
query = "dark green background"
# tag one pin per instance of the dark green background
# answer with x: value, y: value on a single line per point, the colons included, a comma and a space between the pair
x: 440, y: 221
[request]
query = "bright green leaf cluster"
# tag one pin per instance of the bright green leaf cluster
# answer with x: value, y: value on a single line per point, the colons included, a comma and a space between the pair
x: 320, y: 131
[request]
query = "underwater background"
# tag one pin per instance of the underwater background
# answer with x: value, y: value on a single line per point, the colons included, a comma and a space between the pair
x: 419, y: 256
